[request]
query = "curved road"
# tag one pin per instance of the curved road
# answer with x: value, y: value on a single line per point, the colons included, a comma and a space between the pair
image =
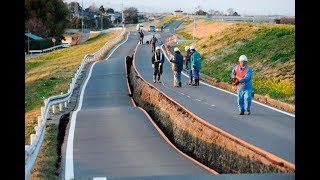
x: 109, y: 137
x: 266, y: 128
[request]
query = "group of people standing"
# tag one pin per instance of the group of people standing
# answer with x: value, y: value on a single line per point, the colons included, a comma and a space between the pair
x: 192, y: 63
x: 241, y: 74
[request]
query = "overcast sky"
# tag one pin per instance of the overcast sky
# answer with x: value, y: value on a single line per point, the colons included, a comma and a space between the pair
x: 248, y: 7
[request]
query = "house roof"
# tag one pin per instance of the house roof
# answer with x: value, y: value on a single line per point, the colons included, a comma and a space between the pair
x: 178, y: 11
x: 32, y: 36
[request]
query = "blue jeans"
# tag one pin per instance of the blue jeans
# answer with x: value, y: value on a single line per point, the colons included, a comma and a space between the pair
x: 244, y: 99
x: 195, y: 73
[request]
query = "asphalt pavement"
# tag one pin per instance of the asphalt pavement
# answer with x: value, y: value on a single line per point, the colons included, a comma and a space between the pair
x: 265, y: 128
x: 112, y: 138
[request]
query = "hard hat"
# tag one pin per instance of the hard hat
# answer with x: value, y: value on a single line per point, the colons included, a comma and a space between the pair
x: 186, y: 48
x: 176, y: 49
x: 243, y: 58
x: 192, y: 48
x: 157, y: 48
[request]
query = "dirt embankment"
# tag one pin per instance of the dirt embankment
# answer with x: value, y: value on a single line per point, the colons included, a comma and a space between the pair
x: 204, y: 142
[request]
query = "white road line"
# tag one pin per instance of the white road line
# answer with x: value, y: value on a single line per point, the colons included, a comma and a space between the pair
x: 198, y: 100
x: 69, y: 168
x: 257, y: 102
x: 205, y: 103
x: 99, y: 178
x: 188, y: 96
x: 213, y: 105
x: 182, y: 93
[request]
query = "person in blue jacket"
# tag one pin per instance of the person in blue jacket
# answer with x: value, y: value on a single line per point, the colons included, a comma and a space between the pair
x: 177, y: 67
x: 195, y: 65
x: 241, y: 77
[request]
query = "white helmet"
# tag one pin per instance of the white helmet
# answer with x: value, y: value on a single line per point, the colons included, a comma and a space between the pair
x: 186, y: 48
x: 157, y: 48
x: 243, y: 58
x: 192, y: 48
x: 176, y: 49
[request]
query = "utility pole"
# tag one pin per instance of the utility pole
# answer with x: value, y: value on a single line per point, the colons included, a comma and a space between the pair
x: 28, y: 41
x: 194, y: 27
x: 122, y: 16
x: 82, y: 19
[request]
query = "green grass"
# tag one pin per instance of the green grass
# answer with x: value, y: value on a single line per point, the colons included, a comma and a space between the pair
x: 277, y: 89
x: 51, y: 73
x: 270, y: 49
x: 186, y: 35
x: 165, y: 21
x: 46, y: 166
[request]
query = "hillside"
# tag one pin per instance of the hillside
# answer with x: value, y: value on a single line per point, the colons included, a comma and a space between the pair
x: 269, y: 47
x: 51, y: 73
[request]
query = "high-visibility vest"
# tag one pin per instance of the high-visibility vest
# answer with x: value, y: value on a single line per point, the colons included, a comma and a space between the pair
x: 241, y: 73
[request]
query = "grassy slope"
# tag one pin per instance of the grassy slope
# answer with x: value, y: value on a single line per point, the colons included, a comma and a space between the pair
x: 51, y: 73
x: 46, y: 166
x: 270, y: 49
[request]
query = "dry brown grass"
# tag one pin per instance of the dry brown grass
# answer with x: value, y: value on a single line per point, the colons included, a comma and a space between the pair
x: 60, y: 65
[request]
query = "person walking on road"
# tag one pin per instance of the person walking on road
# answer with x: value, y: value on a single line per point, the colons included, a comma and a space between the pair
x: 186, y: 58
x: 141, y: 36
x: 177, y: 67
x: 153, y: 42
x: 157, y: 61
x: 241, y: 77
x: 195, y: 65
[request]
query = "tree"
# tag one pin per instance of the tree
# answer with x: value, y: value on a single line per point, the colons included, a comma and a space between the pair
x: 49, y: 14
x: 200, y: 12
x: 93, y: 8
x: 230, y: 12
x: 110, y: 10
x: 131, y: 15
x: 37, y: 27
x: 211, y: 11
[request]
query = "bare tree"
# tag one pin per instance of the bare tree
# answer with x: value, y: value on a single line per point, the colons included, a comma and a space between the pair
x: 211, y: 11
x: 230, y: 11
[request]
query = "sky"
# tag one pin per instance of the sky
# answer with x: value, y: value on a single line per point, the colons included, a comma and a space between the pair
x: 243, y: 7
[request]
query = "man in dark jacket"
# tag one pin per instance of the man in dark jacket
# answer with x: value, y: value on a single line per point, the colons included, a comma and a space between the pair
x: 141, y: 36
x: 177, y: 67
x: 157, y: 61
x: 153, y: 42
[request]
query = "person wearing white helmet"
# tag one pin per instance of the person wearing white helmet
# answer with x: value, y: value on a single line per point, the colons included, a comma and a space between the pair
x: 177, y: 67
x: 241, y: 78
x: 188, y: 64
x: 195, y: 65
x: 157, y: 61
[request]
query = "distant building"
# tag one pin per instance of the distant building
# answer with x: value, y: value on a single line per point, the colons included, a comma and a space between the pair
x: 177, y: 13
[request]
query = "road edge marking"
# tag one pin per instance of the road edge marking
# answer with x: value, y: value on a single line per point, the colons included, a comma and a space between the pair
x: 69, y: 168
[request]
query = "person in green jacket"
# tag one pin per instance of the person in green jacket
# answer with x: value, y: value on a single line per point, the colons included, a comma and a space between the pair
x: 195, y: 65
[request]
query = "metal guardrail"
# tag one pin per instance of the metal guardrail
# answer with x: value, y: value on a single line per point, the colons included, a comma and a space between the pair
x: 32, y: 150
x: 45, y: 50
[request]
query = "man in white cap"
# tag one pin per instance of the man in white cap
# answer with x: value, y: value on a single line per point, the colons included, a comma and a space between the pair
x: 177, y: 67
x: 241, y: 77
x: 157, y: 61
